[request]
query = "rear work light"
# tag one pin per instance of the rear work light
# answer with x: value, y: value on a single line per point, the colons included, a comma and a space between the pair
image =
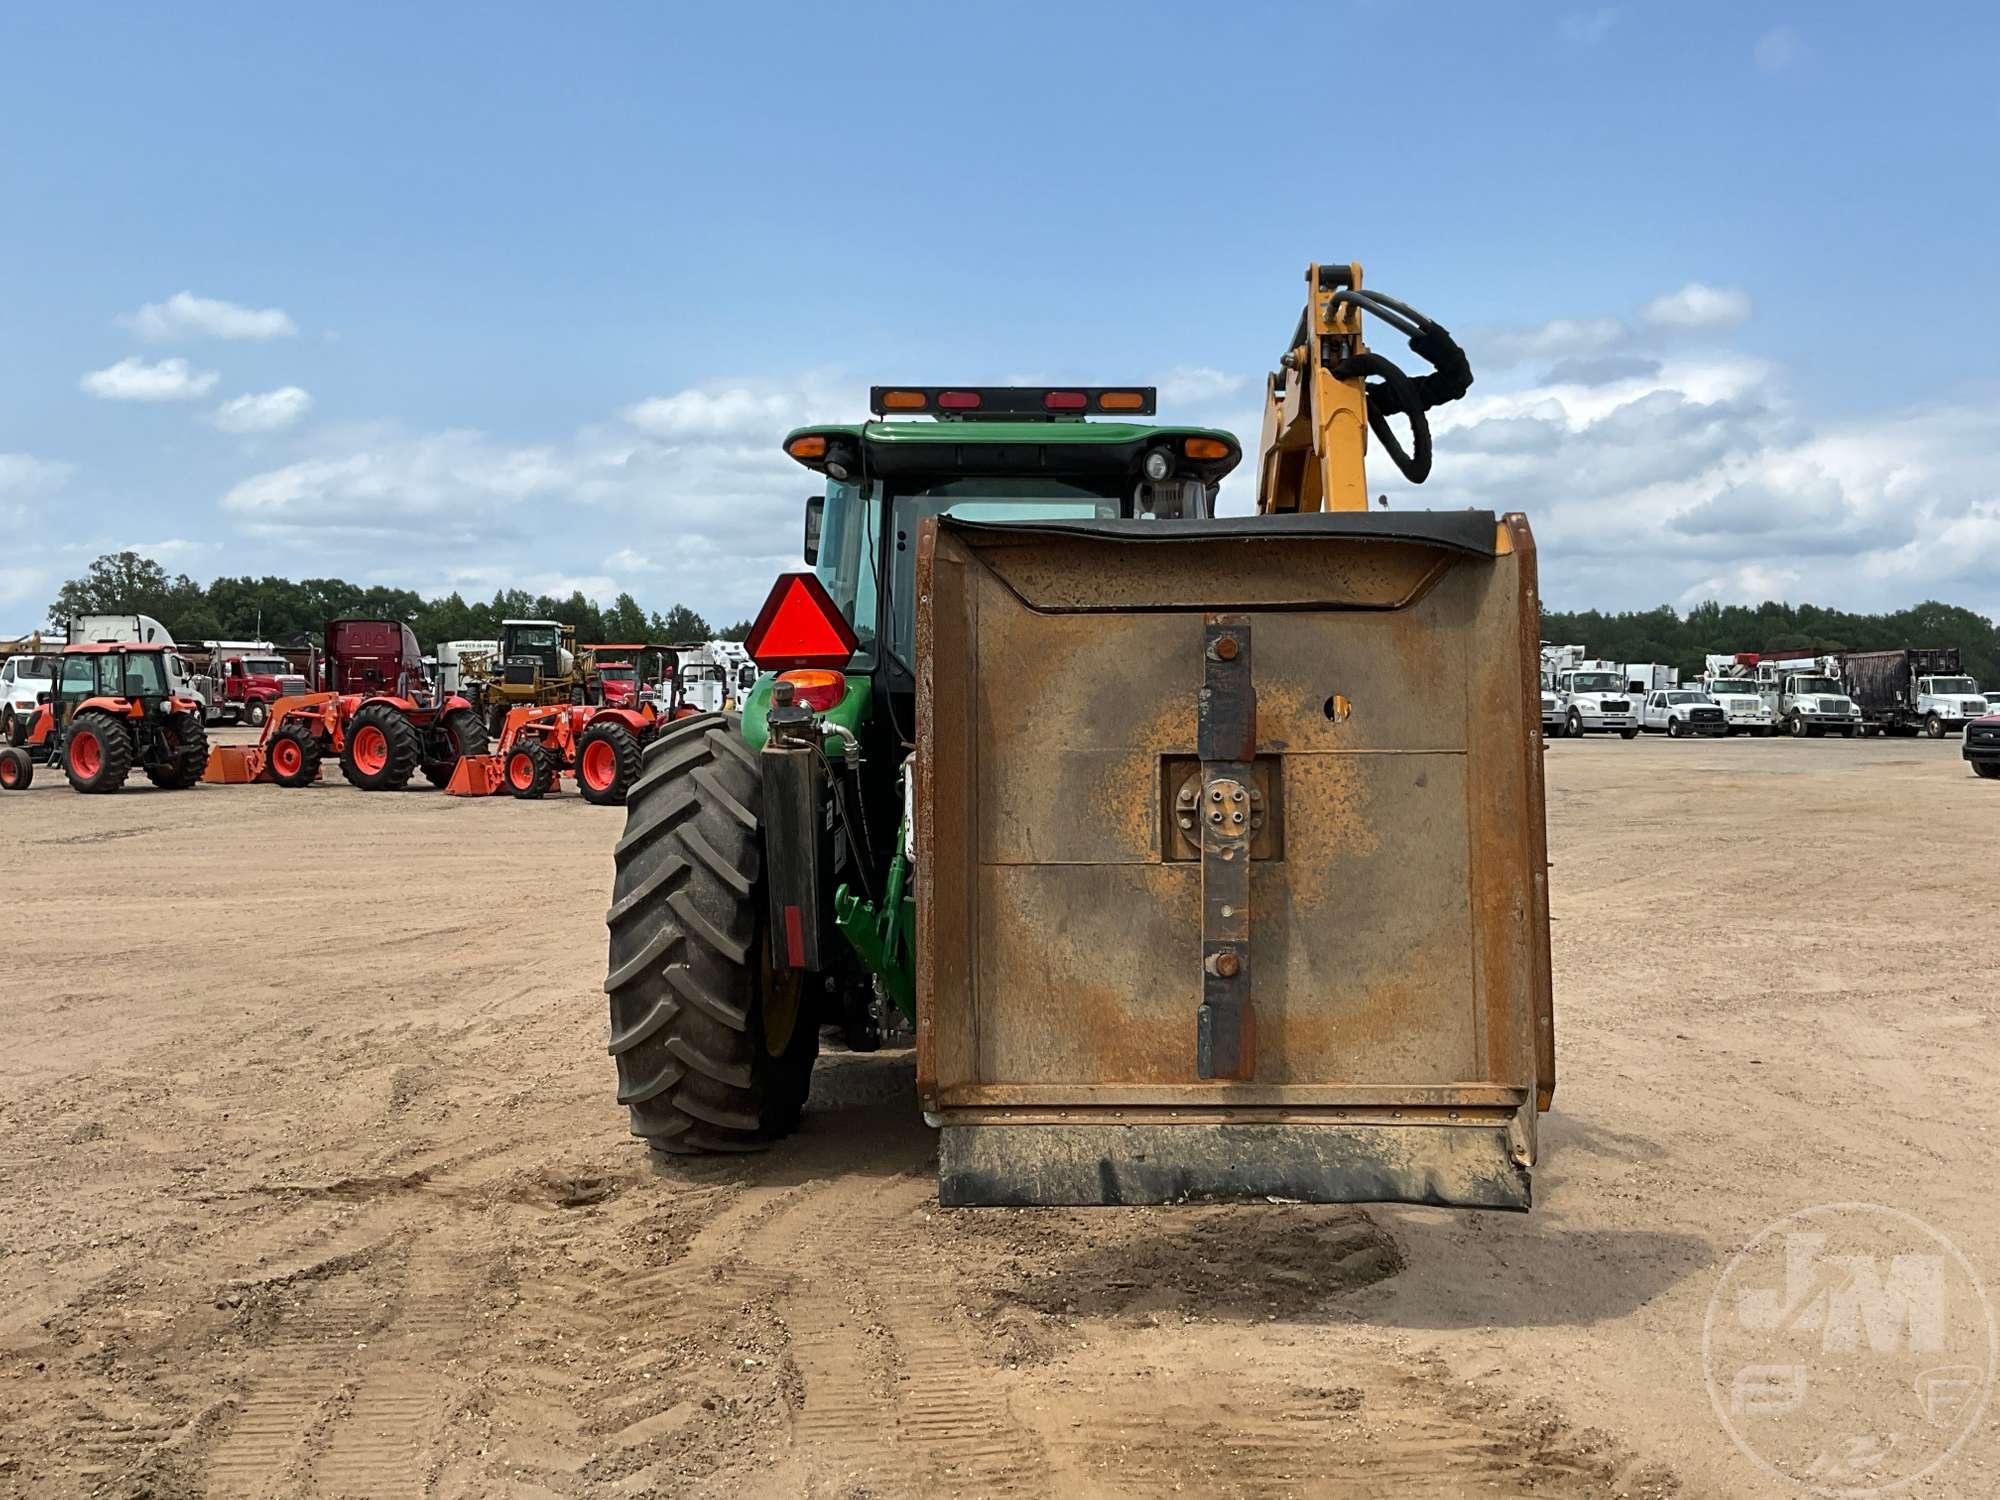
x: 800, y: 627
x: 817, y: 690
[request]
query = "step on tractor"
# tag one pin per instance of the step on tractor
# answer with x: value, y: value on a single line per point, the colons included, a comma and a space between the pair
x: 1205, y: 854
x: 381, y: 717
x: 112, y: 708
x: 600, y: 747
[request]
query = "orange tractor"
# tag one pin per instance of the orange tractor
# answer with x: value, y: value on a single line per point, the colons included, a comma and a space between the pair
x: 380, y: 716
x: 111, y: 709
x: 601, y: 747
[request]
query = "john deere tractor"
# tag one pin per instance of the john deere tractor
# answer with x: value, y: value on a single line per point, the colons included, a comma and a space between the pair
x: 1204, y: 854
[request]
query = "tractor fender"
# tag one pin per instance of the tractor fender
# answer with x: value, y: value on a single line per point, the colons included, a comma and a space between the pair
x: 640, y: 724
x: 44, y: 724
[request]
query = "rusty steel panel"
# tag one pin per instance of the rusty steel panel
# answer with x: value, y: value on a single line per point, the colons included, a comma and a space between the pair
x: 1382, y: 932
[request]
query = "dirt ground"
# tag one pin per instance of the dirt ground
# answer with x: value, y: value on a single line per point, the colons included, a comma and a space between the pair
x: 312, y: 1185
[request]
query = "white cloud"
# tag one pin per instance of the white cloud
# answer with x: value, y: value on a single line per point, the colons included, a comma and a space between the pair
x: 1559, y: 338
x: 728, y: 412
x: 184, y: 315
x: 1777, y: 49
x: 23, y: 585
x: 1587, y: 28
x: 265, y: 412
x: 1193, y: 384
x: 1698, y: 305
x: 135, y: 380
x: 22, y: 474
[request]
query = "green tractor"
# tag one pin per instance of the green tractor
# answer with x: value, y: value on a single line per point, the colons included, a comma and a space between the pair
x: 1204, y: 855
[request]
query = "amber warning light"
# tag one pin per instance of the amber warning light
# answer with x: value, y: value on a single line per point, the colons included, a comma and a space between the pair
x: 800, y: 627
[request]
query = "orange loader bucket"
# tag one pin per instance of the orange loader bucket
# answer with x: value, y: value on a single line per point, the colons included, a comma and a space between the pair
x: 475, y: 776
x: 232, y: 765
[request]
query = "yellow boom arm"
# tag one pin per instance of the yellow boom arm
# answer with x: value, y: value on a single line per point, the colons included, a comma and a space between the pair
x: 1319, y: 404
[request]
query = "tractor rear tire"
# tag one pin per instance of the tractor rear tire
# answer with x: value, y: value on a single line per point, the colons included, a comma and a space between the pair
x: 97, y: 751
x: 17, y: 770
x: 529, y: 768
x: 294, y: 754
x: 463, y: 733
x: 382, y: 749
x: 183, y: 768
x: 17, y: 729
x: 608, y: 761
x: 714, y: 1047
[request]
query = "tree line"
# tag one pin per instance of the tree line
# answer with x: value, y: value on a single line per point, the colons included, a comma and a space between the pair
x: 1663, y: 635
x: 282, y: 610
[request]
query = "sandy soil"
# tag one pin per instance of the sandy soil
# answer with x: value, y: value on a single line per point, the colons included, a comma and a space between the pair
x: 311, y: 1183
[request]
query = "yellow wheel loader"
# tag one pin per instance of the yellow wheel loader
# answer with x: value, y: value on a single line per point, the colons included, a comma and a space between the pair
x: 1217, y: 870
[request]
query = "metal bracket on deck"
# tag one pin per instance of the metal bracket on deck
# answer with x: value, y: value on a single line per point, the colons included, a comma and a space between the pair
x: 1227, y: 742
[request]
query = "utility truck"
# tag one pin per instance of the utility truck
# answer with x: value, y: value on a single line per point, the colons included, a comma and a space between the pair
x: 1594, y: 698
x: 1218, y: 868
x: 1731, y: 681
x: 1902, y: 692
x: 1805, y: 698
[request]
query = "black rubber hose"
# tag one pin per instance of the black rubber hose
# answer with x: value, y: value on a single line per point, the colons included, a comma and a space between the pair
x: 1396, y: 392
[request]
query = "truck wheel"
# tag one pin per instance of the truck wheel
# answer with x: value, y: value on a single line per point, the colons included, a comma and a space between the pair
x: 460, y: 733
x: 1628, y: 734
x: 1795, y: 726
x: 381, y: 751
x: 1934, y: 727
x: 255, y: 713
x: 1847, y: 731
x: 607, y: 763
x: 97, y: 752
x: 1673, y: 729
x: 714, y: 1047
x: 17, y: 771
x: 1987, y: 769
x: 184, y: 747
x: 1573, y: 725
x: 529, y: 769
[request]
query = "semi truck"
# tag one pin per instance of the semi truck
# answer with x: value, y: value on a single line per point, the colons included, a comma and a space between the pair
x: 1912, y: 689
x: 245, y: 678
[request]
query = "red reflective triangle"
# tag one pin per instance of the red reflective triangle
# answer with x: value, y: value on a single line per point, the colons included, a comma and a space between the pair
x: 800, y: 626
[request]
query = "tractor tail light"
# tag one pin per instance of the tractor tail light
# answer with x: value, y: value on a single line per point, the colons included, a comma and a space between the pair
x: 817, y: 690
x: 959, y: 400
x: 1065, y: 401
x: 1201, y: 447
x: 800, y: 627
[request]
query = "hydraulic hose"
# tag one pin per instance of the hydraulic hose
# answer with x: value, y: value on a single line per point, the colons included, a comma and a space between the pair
x: 1391, y: 391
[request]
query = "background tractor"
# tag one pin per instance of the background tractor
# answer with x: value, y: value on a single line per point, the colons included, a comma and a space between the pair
x: 600, y: 747
x: 537, y: 664
x: 1205, y: 854
x: 111, y: 708
x: 381, y: 716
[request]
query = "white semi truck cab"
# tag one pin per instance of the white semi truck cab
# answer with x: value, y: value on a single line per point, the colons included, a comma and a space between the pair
x: 1595, y: 700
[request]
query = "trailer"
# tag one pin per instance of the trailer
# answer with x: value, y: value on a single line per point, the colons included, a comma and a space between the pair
x: 1910, y: 690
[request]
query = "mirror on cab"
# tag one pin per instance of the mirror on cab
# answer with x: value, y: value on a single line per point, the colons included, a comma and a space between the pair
x: 815, y: 509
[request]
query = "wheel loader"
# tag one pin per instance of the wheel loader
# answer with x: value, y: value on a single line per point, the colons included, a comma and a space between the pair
x: 1205, y: 854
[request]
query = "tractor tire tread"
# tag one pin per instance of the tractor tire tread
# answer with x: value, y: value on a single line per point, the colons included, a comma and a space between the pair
x: 405, y: 749
x: 685, y: 957
x: 115, y: 742
x: 185, y: 769
x: 466, y: 734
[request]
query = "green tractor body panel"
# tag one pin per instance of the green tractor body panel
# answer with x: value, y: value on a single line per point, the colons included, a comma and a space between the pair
x: 852, y: 712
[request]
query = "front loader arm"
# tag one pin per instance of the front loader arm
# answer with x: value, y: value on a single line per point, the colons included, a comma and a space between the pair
x: 1330, y: 390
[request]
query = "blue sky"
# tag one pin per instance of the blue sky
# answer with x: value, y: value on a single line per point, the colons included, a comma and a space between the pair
x: 526, y: 295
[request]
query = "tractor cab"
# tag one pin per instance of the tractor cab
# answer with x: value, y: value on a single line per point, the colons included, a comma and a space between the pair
x: 982, y: 454
x: 112, y: 707
x: 532, y: 651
